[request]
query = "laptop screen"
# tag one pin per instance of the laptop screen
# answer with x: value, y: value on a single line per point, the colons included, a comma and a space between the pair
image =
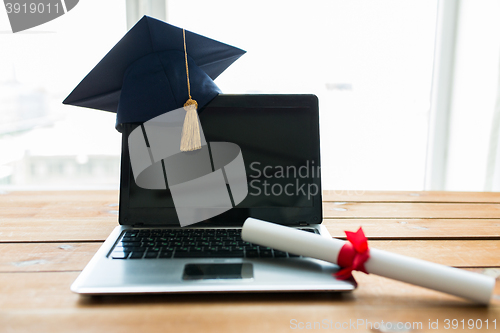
x: 279, y: 140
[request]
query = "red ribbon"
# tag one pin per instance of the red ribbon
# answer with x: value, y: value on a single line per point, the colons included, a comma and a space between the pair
x: 353, y: 255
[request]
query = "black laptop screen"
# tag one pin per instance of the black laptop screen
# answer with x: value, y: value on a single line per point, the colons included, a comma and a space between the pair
x: 279, y: 140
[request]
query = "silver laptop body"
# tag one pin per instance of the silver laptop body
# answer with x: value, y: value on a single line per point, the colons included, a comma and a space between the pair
x: 276, y: 133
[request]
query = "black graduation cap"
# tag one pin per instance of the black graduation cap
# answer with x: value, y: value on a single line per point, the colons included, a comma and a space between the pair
x: 144, y: 74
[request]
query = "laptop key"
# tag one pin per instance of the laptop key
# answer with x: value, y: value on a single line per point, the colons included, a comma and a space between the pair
x: 151, y: 255
x: 252, y: 254
x: 266, y: 253
x: 192, y: 254
x: 136, y: 255
x: 131, y: 243
x: 119, y: 255
x: 230, y: 254
x: 279, y: 254
x: 165, y: 254
x: 126, y: 248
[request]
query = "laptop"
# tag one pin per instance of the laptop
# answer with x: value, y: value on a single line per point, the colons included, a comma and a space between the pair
x: 149, y: 252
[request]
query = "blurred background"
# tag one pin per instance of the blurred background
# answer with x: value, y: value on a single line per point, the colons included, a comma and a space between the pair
x: 408, y: 90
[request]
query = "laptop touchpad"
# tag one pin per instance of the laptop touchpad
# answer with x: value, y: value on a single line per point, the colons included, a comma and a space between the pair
x: 217, y: 271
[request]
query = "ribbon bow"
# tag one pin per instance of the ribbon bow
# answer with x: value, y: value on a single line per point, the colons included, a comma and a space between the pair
x: 353, y: 255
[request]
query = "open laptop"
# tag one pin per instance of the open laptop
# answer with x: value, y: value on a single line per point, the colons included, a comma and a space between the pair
x: 150, y: 253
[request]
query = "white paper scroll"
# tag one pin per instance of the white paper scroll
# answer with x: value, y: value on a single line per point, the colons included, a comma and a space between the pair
x: 450, y: 280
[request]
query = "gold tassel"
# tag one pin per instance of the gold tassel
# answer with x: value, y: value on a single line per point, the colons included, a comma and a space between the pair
x: 191, y: 139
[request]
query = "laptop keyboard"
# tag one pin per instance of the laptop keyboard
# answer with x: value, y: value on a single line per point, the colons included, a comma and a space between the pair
x: 191, y: 243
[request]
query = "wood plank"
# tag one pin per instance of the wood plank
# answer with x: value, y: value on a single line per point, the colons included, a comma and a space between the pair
x: 91, y: 204
x: 91, y: 215
x: 410, y: 210
x: 98, y: 229
x: 39, y: 257
x: 54, y: 204
x: 417, y: 228
x: 410, y: 196
x: 42, y: 302
x: 57, y: 215
x: 41, y: 197
x: 35, y: 277
x: 46, y: 257
x: 470, y: 253
x: 56, y: 229
x: 37, y: 197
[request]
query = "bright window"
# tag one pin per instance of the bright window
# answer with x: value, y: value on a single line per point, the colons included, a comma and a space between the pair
x: 369, y: 63
x: 43, y: 143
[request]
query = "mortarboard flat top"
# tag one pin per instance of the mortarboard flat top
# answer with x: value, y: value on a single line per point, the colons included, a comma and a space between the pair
x: 144, y: 74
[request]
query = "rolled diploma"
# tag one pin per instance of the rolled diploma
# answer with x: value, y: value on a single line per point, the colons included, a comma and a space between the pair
x: 423, y: 273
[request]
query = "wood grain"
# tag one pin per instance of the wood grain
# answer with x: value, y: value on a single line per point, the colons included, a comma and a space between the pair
x: 91, y: 215
x: 78, y: 229
x: 42, y: 302
x: 40, y: 257
x: 417, y: 228
x: 413, y: 196
x: 57, y: 215
x: 42, y: 253
x: 59, y: 229
x: 411, y: 210
x: 54, y: 197
x: 472, y: 253
x: 54, y: 204
x: 46, y: 257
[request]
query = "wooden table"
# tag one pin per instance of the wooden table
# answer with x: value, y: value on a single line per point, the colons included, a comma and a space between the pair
x: 46, y: 238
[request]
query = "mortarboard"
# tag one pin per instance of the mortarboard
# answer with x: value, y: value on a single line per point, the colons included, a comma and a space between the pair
x: 146, y: 78
x: 144, y: 74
